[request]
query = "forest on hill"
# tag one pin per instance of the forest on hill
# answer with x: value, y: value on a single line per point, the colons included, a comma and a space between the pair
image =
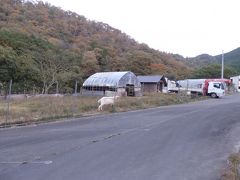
x: 231, y: 59
x: 210, y: 66
x: 42, y: 46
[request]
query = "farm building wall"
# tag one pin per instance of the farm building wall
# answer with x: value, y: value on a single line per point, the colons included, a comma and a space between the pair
x: 152, y: 87
x: 149, y: 87
x: 152, y: 83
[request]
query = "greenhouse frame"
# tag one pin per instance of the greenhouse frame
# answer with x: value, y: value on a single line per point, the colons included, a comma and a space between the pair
x: 123, y: 83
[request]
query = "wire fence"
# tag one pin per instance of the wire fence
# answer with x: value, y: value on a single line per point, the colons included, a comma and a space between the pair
x: 27, y: 107
x: 33, y: 106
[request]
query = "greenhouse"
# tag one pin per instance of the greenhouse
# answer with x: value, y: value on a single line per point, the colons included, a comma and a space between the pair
x: 123, y: 83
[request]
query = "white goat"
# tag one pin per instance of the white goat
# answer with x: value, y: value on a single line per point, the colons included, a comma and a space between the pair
x: 105, y: 101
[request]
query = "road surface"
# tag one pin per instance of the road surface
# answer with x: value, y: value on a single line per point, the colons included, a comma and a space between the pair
x: 179, y: 142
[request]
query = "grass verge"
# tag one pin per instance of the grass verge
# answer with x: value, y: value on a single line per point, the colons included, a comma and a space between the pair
x: 36, y: 110
x: 232, y: 170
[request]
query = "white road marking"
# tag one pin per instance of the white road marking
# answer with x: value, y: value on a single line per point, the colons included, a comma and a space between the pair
x: 26, y: 162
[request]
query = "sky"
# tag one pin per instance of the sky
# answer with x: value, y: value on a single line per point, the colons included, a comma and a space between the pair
x: 186, y: 27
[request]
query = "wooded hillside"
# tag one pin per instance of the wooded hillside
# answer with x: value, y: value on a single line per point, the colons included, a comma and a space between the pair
x: 231, y: 58
x: 42, y: 45
x: 207, y: 66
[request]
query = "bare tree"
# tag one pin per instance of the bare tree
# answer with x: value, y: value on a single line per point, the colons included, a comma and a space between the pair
x: 50, y: 67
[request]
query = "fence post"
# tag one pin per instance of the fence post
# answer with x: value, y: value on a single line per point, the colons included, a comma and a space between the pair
x: 76, y: 86
x: 57, y: 90
x: 178, y: 92
x: 8, y: 102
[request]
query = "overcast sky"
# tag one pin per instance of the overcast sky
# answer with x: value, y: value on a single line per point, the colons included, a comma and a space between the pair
x: 186, y: 27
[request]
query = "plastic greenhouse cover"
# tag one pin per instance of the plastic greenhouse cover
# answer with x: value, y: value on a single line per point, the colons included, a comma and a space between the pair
x: 112, y: 79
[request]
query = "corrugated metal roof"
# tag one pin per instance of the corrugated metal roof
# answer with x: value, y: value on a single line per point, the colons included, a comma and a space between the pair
x: 150, y: 79
x: 112, y: 79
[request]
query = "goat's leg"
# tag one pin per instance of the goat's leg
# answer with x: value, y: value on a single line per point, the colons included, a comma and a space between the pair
x: 99, y: 107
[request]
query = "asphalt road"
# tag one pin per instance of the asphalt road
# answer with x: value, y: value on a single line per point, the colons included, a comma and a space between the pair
x: 180, y: 142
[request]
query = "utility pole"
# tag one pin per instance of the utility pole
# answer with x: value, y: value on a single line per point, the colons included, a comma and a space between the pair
x: 222, y: 74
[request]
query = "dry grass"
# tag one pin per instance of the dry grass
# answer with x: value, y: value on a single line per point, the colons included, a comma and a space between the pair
x: 233, y: 168
x: 51, y: 108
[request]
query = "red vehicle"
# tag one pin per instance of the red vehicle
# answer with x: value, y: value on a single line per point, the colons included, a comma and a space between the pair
x: 206, y: 85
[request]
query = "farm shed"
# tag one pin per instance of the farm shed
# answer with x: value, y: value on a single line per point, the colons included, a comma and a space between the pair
x: 112, y: 83
x: 151, y: 84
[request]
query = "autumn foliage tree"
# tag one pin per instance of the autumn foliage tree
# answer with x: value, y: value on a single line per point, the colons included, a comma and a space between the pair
x: 42, y: 45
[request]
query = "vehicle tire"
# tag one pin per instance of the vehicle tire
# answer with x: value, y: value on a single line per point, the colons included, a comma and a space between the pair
x: 214, y: 95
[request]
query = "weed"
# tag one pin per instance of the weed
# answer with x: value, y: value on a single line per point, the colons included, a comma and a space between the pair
x: 231, y: 172
x: 49, y: 108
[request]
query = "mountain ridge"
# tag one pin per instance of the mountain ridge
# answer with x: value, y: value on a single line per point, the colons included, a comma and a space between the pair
x: 231, y: 58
